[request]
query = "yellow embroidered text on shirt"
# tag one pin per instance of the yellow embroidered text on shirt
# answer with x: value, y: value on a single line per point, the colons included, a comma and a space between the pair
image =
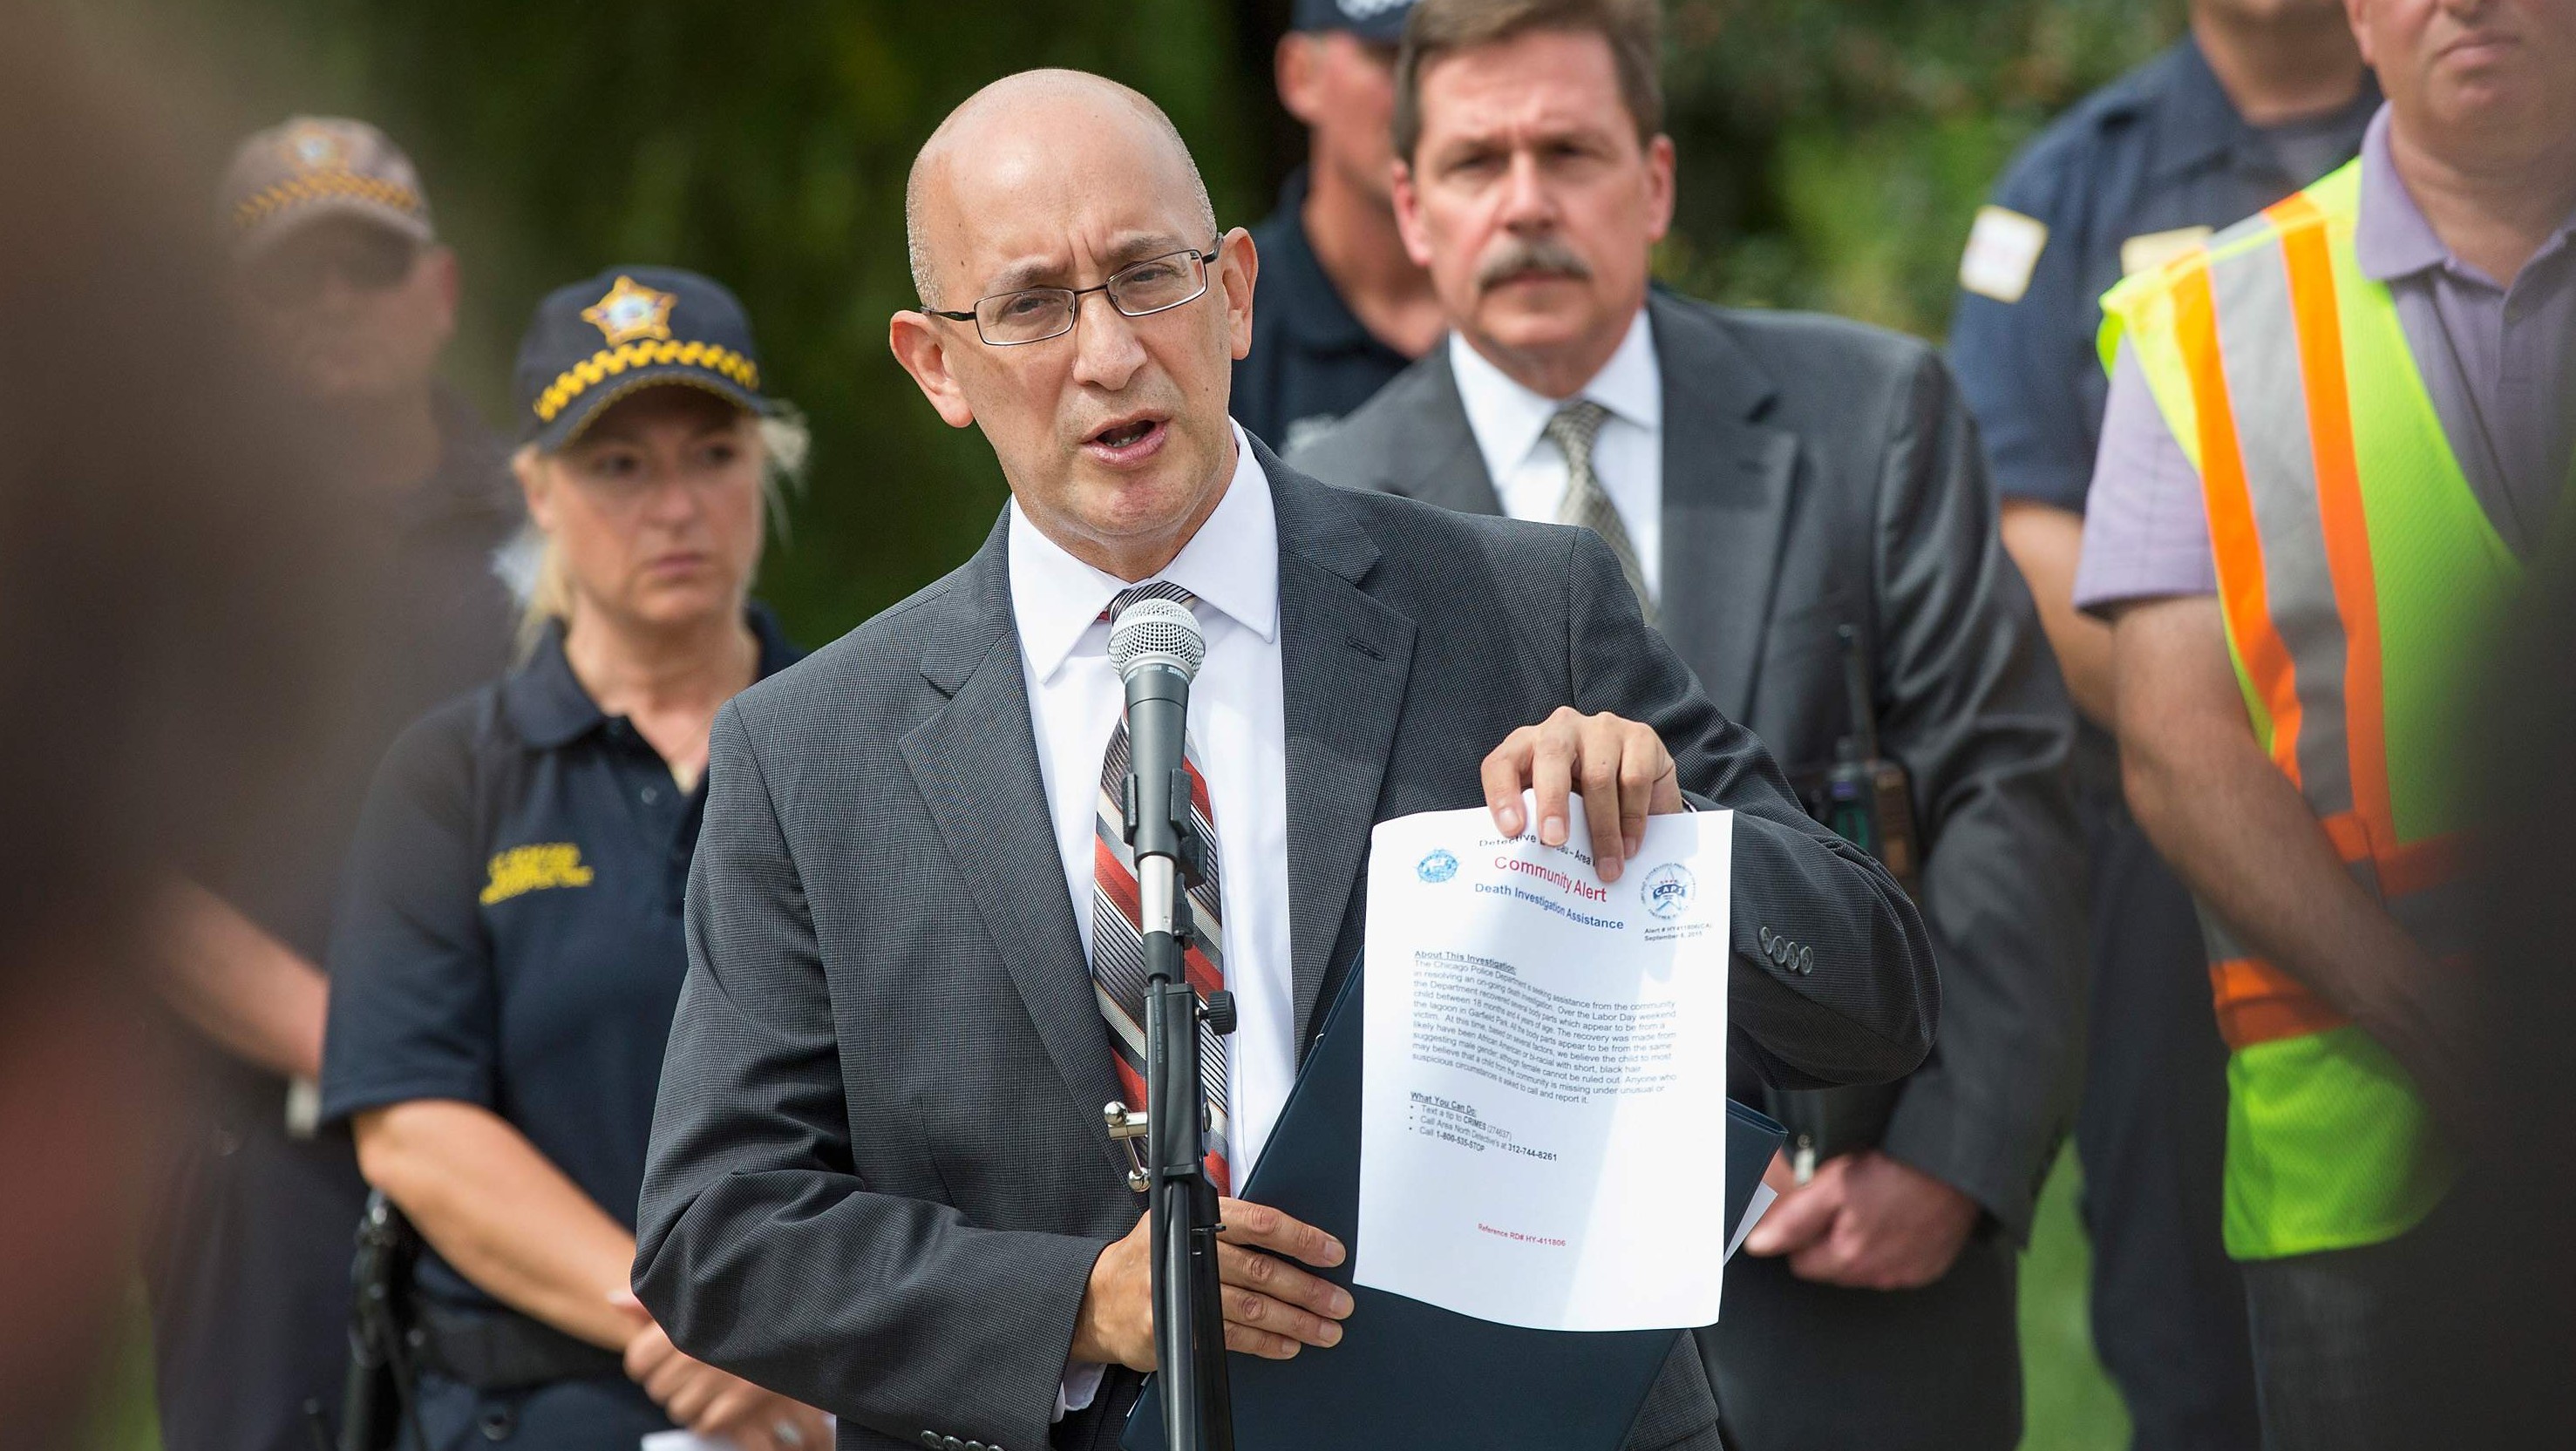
x: 534, y: 869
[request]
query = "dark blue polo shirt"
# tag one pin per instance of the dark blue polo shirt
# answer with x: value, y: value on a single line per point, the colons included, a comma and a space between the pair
x: 510, y: 933
x: 1311, y: 360
x: 2145, y: 160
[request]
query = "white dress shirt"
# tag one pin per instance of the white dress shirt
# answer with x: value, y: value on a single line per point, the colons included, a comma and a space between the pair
x: 1528, y: 469
x: 1238, y: 737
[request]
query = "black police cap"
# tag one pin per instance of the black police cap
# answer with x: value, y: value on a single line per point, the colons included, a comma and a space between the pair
x: 1380, y: 21
x: 596, y: 341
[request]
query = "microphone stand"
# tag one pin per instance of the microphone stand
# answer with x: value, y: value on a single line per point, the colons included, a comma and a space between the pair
x: 1189, y: 1318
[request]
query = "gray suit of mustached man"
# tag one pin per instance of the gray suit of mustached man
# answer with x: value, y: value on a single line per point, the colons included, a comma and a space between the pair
x: 879, y: 1180
x: 1768, y: 479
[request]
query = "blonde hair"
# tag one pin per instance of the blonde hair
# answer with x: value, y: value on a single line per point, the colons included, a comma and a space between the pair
x: 534, y: 567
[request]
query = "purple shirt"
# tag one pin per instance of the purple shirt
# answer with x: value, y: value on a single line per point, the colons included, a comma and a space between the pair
x: 2500, y: 364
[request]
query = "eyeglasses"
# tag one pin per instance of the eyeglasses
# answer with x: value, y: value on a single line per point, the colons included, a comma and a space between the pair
x: 1139, y: 289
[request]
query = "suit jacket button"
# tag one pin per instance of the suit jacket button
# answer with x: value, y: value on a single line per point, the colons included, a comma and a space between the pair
x: 951, y: 1443
x: 931, y: 1440
x: 1806, y: 960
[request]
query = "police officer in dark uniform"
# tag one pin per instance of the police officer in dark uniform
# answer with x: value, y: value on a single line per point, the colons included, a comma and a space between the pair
x: 509, y: 948
x: 1341, y: 308
x: 2260, y: 98
x: 340, y: 277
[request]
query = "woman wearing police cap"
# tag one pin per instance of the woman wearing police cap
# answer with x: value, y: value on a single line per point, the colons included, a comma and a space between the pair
x: 509, y: 948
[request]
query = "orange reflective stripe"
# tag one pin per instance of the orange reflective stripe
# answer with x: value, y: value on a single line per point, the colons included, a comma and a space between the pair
x: 2418, y: 865
x: 2310, y: 266
x: 2351, y: 839
x: 2233, y: 537
x: 2259, y: 1003
x: 2404, y: 867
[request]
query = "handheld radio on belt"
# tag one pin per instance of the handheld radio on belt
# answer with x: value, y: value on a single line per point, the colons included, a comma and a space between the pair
x: 1866, y: 800
x: 1869, y: 800
x: 379, y: 1401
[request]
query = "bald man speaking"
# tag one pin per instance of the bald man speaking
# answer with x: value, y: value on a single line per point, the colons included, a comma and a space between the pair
x: 879, y: 1179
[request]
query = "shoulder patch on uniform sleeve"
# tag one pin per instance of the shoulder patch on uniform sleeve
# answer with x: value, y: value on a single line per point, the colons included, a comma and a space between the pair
x: 2148, y: 251
x: 2003, y: 247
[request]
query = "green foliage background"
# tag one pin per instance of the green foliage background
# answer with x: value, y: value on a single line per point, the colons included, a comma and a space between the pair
x: 1832, y: 151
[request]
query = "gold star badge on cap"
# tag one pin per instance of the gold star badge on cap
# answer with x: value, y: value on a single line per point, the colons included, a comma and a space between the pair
x: 630, y: 311
x: 309, y: 147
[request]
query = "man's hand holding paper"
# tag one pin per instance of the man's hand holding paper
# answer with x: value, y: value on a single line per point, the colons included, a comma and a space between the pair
x: 1621, y: 767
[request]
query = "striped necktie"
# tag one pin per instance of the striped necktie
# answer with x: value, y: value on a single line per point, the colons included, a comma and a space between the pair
x: 1574, y: 427
x: 1117, y: 924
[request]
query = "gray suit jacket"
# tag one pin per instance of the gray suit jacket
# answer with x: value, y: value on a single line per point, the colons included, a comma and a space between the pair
x: 1816, y: 473
x: 879, y: 1178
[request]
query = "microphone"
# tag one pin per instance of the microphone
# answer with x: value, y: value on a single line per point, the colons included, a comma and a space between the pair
x: 1157, y: 647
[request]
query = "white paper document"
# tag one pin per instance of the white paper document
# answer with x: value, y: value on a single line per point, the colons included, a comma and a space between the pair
x: 1754, y: 1209
x: 1543, y: 1102
x: 692, y: 1441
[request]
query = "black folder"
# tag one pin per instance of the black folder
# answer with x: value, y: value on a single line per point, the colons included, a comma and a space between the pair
x: 1414, y: 1375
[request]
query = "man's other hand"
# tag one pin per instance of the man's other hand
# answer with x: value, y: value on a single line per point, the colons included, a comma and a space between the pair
x: 1622, y: 768
x: 714, y: 1403
x: 1272, y: 1308
x: 1867, y: 1222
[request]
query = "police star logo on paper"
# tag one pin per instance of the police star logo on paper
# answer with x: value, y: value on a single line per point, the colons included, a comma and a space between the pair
x: 631, y: 311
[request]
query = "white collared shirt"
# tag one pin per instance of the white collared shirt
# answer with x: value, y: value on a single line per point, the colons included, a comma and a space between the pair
x: 1238, y: 736
x: 1528, y: 469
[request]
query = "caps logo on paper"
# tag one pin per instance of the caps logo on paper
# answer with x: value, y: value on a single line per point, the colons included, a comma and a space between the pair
x: 630, y: 311
x: 1439, y: 866
x: 1669, y: 890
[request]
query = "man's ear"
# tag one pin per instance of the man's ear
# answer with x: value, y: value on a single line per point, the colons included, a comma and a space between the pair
x: 1408, y: 215
x: 443, y: 276
x: 920, y: 343
x: 442, y: 262
x: 1292, y: 67
x: 1659, y: 188
x: 2356, y: 13
x: 1238, y: 264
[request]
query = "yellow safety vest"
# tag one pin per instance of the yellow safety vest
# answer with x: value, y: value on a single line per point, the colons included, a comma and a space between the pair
x: 2360, y: 581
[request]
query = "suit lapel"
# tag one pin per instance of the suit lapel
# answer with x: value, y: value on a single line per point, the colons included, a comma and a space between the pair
x: 976, y: 764
x: 1726, y: 487
x: 1436, y: 459
x: 1344, y: 659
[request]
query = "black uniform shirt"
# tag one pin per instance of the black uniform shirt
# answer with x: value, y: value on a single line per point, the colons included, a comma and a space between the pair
x: 2152, y: 161
x: 1311, y: 360
x: 510, y: 935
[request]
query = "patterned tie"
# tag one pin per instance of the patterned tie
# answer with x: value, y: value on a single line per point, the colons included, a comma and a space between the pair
x: 1117, y: 924
x: 1574, y: 428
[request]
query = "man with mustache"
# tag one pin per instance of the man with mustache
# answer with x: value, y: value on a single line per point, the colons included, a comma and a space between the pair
x: 880, y: 1181
x: 1767, y: 482
x: 2338, y: 434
